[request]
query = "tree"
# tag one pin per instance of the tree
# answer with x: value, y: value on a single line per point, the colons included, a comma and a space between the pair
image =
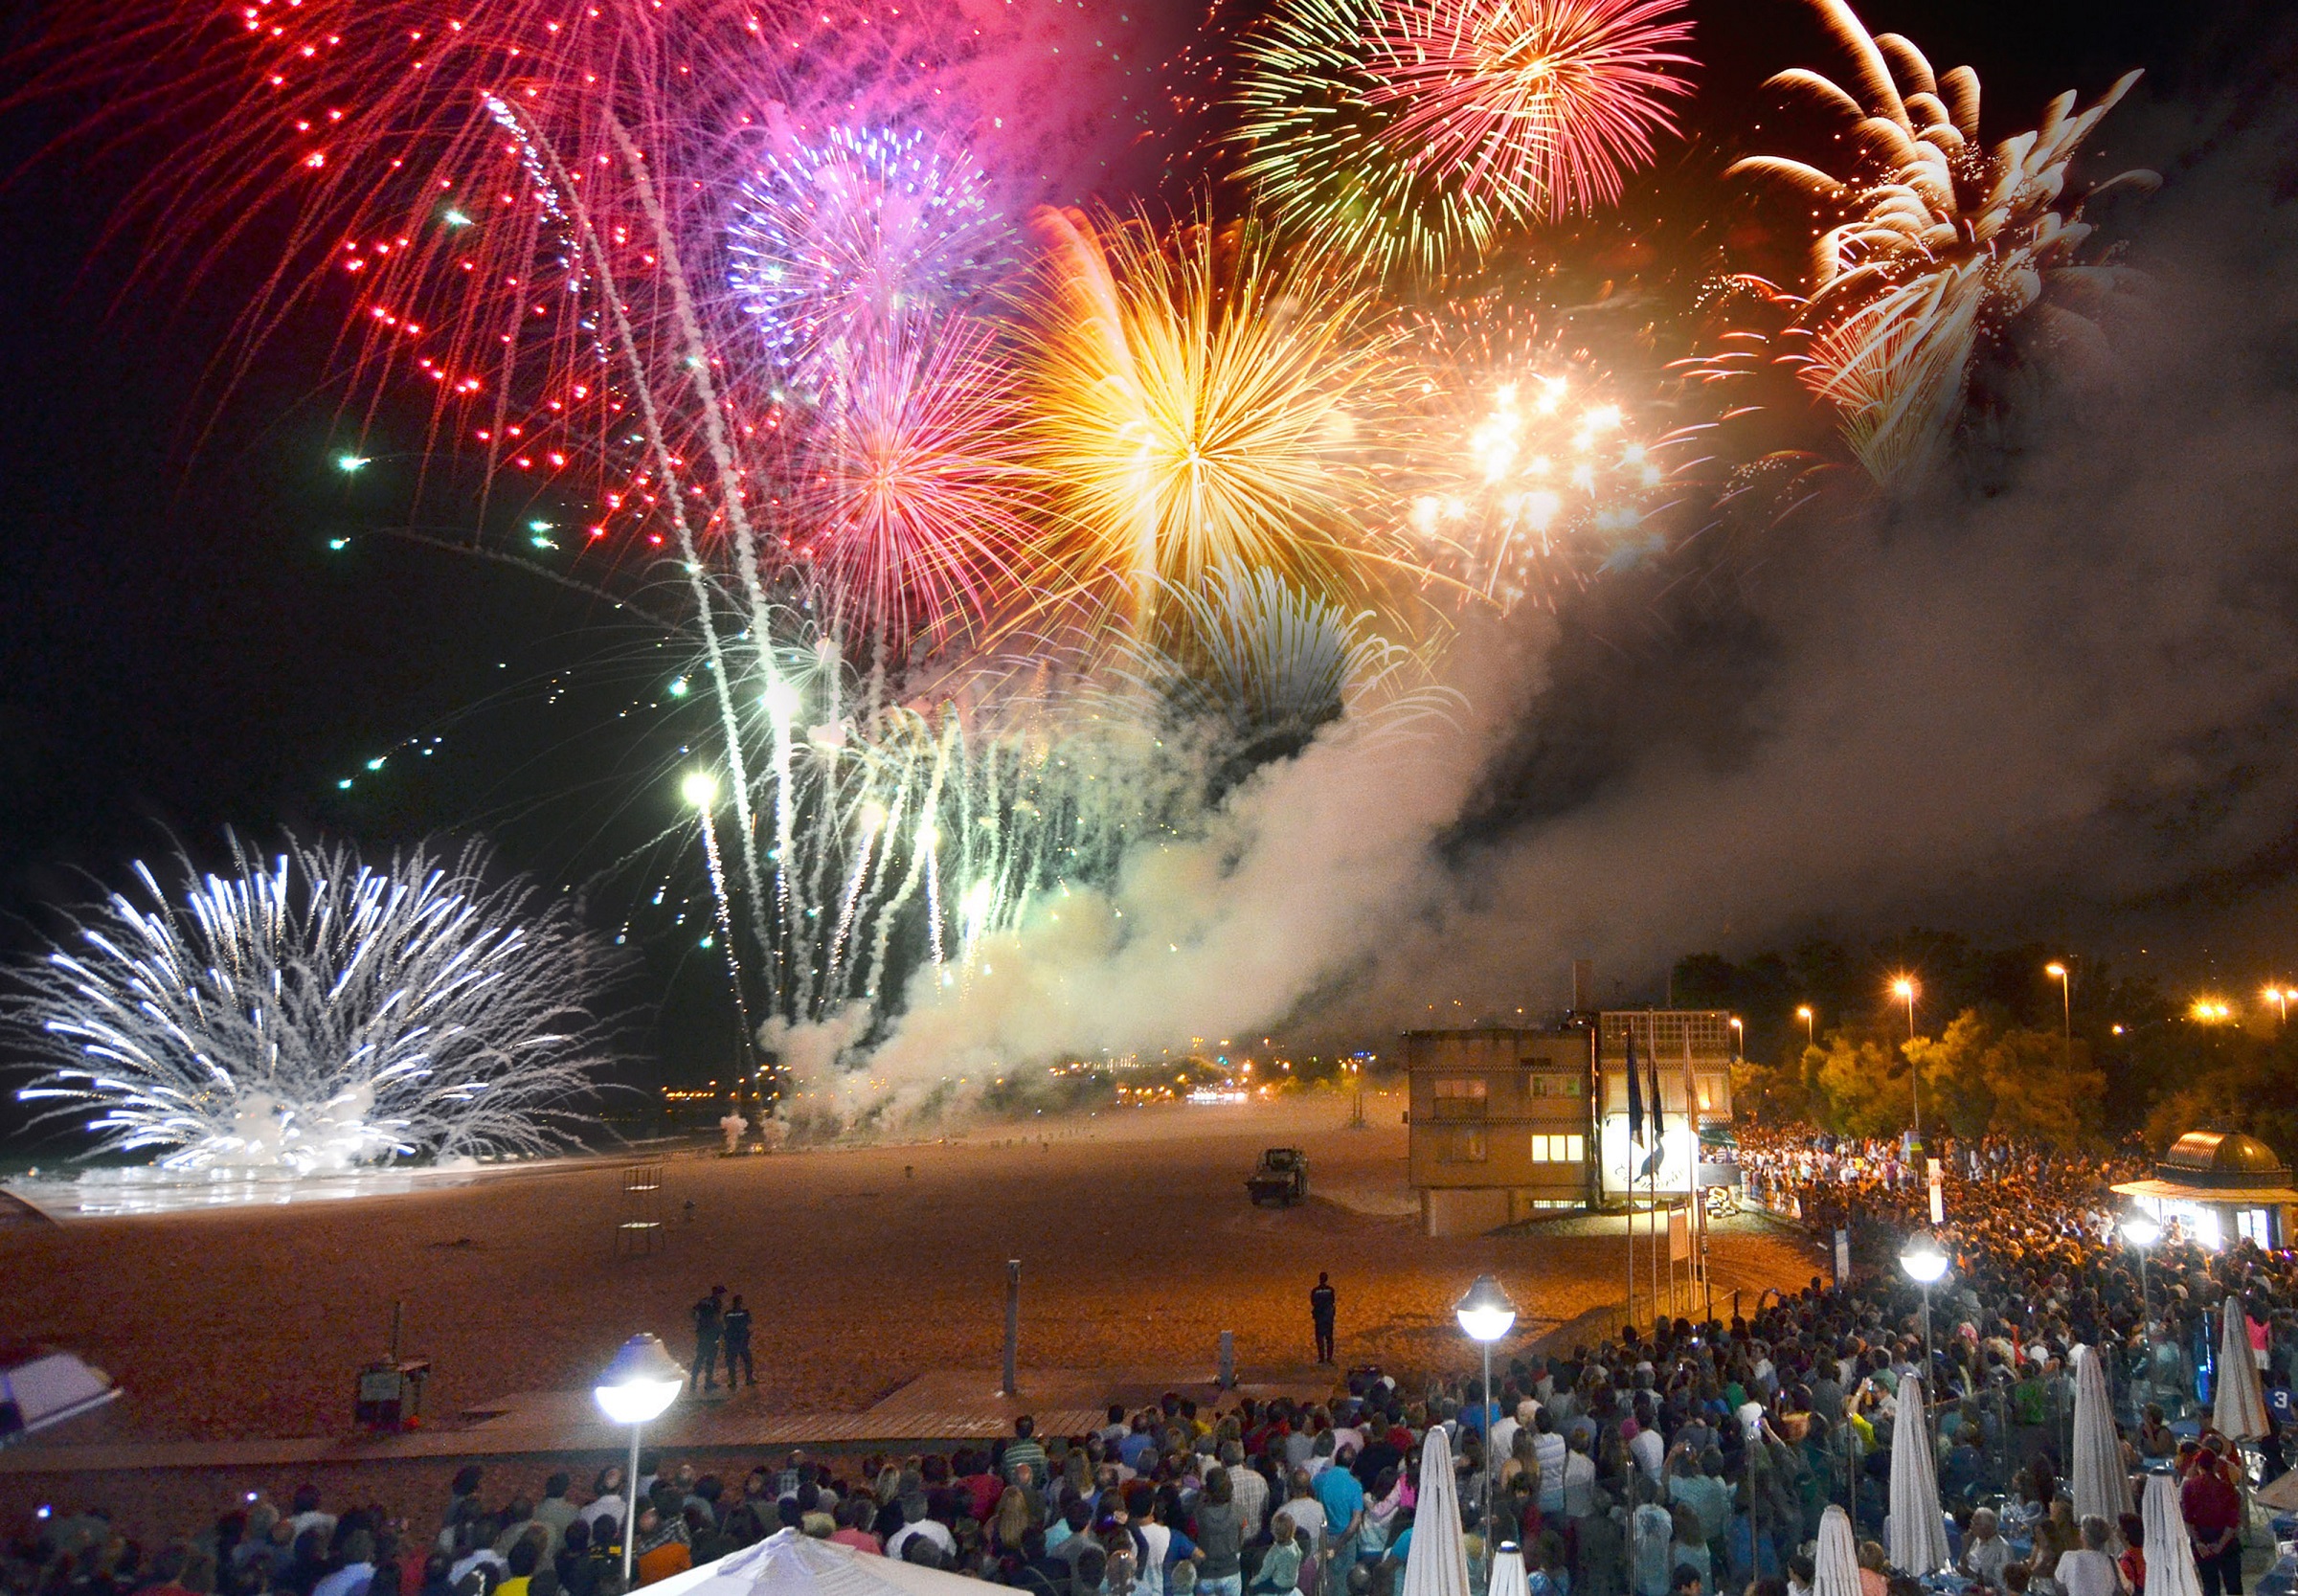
x: 1982, y: 1079
x: 1859, y: 1086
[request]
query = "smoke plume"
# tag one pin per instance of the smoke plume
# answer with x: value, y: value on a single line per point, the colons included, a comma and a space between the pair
x: 2059, y: 698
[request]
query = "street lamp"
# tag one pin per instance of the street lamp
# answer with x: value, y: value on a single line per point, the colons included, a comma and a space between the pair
x: 1739, y: 1036
x: 1486, y: 1314
x: 2142, y: 1230
x: 1811, y: 1037
x: 1924, y: 1260
x: 2280, y: 996
x: 633, y: 1391
x: 2057, y: 971
x: 1903, y: 988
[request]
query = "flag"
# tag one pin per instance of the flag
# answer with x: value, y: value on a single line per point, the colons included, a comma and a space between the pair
x: 1658, y: 1128
x: 1635, y: 1093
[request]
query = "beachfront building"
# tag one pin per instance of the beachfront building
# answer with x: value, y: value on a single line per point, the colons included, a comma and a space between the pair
x: 1506, y: 1122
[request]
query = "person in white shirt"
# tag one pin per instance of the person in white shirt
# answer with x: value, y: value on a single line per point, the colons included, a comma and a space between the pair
x: 472, y: 1559
x: 1985, y: 1551
x: 358, y: 1570
x: 1549, y: 1449
x: 308, y: 1515
x: 1579, y: 1482
x: 1503, y: 1434
x: 1650, y: 1452
x: 1250, y: 1487
x: 2088, y: 1570
x: 1307, y: 1512
x: 914, y: 1525
x: 1156, y: 1541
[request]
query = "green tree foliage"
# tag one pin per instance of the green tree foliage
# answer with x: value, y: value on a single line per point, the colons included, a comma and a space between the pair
x: 1977, y: 1078
x: 1986, y: 1080
x: 1859, y: 1086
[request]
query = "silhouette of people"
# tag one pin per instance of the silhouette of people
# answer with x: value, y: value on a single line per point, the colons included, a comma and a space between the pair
x: 734, y: 1330
x: 709, y: 1316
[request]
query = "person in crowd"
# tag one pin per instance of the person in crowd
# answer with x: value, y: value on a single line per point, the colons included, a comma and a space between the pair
x: 709, y: 1318
x: 1024, y: 1450
x: 1219, y: 1534
x: 664, y: 1546
x: 2211, y: 1507
x: 1279, y: 1572
x: 525, y: 1556
x: 1985, y: 1551
x: 734, y: 1337
x: 2089, y: 1570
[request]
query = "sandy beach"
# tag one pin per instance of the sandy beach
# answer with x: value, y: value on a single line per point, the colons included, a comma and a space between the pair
x: 865, y: 1266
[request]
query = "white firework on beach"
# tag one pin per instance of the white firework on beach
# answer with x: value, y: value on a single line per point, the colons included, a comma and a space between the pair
x: 312, y: 1013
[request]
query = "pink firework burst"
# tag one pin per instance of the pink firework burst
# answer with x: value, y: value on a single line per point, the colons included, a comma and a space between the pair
x: 911, y: 493
x: 1535, y: 106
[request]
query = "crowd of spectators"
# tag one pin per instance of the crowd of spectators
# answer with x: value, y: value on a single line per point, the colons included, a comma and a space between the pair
x: 1667, y: 1461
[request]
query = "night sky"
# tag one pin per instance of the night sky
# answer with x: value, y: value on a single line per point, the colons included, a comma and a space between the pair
x: 183, y: 651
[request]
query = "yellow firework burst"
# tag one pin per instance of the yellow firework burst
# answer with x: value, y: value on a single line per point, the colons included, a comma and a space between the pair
x: 1197, y: 408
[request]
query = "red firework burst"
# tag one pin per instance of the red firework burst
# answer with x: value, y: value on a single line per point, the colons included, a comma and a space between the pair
x: 521, y: 205
x: 1537, y: 106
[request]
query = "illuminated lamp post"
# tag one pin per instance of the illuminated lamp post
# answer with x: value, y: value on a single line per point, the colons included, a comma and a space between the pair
x: 633, y: 1389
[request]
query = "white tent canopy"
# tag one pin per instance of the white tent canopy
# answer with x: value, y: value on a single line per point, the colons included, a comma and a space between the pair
x: 2170, y: 1555
x: 1508, y: 1576
x: 1436, y: 1564
x: 1916, y: 1540
x: 1837, y: 1562
x: 2239, y: 1406
x: 788, y: 1563
x: 2101, y: 1486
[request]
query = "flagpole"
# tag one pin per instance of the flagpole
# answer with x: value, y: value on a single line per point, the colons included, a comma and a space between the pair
x: 1628, y: 1215
x: 1691, y: 1168
x: 1652, y: 1159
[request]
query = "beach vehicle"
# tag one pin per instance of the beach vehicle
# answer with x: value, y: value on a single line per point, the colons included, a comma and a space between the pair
x: 1281, y: 1177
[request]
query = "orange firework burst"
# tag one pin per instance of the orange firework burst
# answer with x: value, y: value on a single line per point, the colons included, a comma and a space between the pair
x: 1195, y: 411
x: 1939, y: 243
x: 1521, y: 470
x: 1535, y: 106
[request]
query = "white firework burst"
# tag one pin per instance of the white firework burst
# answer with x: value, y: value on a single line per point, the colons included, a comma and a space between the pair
x: 312, y: 1013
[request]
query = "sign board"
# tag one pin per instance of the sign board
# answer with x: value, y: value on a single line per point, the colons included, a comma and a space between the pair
x: 1842, y: 1257
x: 1679, y: 1235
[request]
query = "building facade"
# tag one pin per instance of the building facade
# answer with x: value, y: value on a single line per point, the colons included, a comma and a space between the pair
x: 1505, y: 1123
